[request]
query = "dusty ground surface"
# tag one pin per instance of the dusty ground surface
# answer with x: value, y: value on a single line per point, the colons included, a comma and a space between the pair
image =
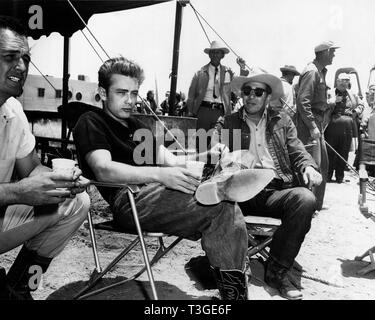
x: 337, y: 235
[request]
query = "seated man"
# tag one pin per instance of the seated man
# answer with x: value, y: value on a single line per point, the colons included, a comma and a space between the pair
x: 165, y: 203
x: 271, y: 138
x: 33, y: 211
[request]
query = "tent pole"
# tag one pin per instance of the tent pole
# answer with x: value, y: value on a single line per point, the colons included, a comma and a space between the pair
x: 176, y: 50
x: 65, y: 87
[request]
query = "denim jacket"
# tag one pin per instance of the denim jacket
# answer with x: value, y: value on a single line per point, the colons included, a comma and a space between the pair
x: 287, y: 151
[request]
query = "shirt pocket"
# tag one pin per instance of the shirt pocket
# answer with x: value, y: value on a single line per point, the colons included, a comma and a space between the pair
x: 320, y: 93
x: 6, y: 169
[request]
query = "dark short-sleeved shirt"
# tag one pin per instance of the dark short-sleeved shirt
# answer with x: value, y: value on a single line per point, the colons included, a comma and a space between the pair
x: 98, y: 130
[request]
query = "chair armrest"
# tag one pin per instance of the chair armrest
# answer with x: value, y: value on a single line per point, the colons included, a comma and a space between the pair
x: 133, y: 188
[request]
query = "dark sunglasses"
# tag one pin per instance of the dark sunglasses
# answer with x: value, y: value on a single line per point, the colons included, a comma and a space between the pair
x: 258, y: 92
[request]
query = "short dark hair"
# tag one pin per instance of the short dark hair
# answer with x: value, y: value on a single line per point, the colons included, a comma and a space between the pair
x: 13, y: 24
x: 122, y: 66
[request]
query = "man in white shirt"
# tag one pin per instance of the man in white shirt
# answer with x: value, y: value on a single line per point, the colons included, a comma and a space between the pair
x: 288, y: 100
x: 209, y: 92
x: 33, y: 210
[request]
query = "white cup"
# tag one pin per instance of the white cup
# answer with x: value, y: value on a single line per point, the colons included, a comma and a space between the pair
x: 195, y: 167
x: 64, y: 166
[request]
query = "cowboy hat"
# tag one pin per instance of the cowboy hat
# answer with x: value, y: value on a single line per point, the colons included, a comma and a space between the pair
x: 216, y: 45
x: 272, y: 81
x: 291, y: 69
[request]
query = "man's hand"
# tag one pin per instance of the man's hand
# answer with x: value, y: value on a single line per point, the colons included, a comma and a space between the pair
x: 43, y: 189
x: 80, y: 182
x: 241, y: 62
x: 180, y: 179
x: 219, y: 150
x: 315, y: 133
x: 338, y: 99
x: 311, y: 177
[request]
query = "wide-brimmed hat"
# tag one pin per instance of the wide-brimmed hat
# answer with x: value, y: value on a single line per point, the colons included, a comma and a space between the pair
x: 325, y: 45
x: 272, y: 81
x: 291, y: 69
x: 343, y: 76
x: 216, y: 45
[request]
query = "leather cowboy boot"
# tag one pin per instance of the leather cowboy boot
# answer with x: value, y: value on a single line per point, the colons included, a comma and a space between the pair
x: 276, y: 276
x: 233, y: 179
x: 4, y: 292
x: 233, y: 185
x: 232, y: 284
x: 19, y: 278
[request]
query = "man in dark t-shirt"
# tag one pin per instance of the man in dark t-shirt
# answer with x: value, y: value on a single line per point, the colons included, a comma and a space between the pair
x: 116, y: 147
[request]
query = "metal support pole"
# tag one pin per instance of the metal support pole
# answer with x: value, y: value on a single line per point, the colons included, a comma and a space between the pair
x: 65, y: 87
x: 176, y: 50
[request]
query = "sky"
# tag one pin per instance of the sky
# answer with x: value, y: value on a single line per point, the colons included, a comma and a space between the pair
x: 267, y: 34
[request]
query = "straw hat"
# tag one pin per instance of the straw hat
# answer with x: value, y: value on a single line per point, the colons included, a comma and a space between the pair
x: 216, y: 45
x: 272, y: 81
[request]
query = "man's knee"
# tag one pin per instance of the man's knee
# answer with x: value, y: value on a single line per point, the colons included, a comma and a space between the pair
x: 83, y: 202
x: 79, y: 205
x: 305, y: 199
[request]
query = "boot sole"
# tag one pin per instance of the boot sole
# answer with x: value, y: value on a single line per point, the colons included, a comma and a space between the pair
x: 238, y: 187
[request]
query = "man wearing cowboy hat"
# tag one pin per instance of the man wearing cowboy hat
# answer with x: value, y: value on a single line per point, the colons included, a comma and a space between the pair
x: 288, y: 100
x: 313, y: 111
x: 209, y: 92
x: 271, y: 138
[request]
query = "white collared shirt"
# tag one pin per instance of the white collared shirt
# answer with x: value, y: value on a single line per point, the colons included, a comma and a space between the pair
x: 16, y: 139
x: 210, y: 87
x: 258, y: 144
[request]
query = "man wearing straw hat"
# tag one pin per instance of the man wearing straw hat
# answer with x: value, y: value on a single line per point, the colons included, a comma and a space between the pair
x: 288, y: 100
x: 271, y: 139
x: 209, y: 92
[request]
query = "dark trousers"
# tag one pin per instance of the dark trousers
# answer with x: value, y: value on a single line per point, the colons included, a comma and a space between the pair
x: 295, y: 208
x: 220, y: 227
x: 339, y: 134
x: 206, y: 119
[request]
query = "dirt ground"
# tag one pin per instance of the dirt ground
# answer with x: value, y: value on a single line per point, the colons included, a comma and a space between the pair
x: 337, y: 235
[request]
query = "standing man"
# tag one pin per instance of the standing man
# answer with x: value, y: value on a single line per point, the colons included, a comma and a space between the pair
x: 346, y: 107
x: 288, y: 100
x: 165, y: 104
x: 150, y: 99
x: 209, y: 92
x: 43, y: 209
x: 270, y: 137
x: 313, y: 111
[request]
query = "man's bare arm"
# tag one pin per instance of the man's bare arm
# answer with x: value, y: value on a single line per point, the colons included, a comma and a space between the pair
x: 100, y: 161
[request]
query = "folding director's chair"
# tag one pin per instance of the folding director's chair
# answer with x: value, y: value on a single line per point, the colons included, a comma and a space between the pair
x: 366, y: 158
x: 260, y: 233
x: 99, y: 273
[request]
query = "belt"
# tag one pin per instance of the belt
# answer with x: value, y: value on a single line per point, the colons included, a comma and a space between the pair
x: 212, y: 105
x: 318, y: 112
x: 279, y: 184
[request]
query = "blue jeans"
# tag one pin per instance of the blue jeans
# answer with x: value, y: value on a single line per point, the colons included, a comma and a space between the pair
x: 295, y: 208
x: 220, y: 227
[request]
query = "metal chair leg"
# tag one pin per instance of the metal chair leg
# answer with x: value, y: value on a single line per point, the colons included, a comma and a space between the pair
x: 93, y: 243
x: 157, y: 256
x: 142, y: 242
